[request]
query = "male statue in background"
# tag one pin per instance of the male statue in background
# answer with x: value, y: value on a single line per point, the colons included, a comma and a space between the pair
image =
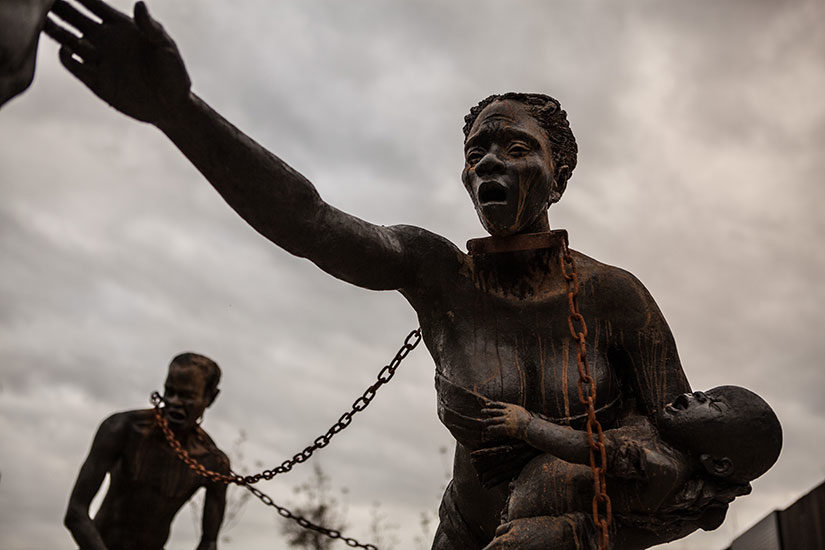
x: 148, y: 482
x: 495, y: 320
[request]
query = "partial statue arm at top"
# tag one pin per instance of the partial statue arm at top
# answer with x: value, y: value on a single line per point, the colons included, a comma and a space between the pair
x: 103, y: 454
x: 133, y: 65
x: 20, y: 25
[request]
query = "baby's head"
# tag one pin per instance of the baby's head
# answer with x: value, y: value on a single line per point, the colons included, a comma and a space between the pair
x: 731, y: 430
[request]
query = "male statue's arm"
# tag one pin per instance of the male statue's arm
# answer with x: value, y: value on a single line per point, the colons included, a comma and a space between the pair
x: 133, y: 65
x: 213, y: 509
x: 105, y: 449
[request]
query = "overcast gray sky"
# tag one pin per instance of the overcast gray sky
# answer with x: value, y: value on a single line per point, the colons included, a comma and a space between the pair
x: 700, y: 126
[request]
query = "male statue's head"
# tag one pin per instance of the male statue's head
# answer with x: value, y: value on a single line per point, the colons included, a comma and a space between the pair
x: 732, y: 431
x: 519, y: 154
x: 191, y: 386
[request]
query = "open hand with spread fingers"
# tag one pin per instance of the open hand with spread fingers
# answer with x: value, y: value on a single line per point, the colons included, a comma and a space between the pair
x: 505, y: 420
x: 131, y: 64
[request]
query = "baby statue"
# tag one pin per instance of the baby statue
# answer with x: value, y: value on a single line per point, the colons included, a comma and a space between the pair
x: 677, y: 476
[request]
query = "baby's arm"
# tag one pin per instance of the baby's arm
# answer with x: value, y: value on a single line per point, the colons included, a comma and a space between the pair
x: 508, y: 420
x: 633, y: 452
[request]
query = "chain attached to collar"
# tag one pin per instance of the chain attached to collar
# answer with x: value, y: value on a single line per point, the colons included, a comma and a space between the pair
x: 384, y: 376
x: 602, y: 510
x: 587, y: 396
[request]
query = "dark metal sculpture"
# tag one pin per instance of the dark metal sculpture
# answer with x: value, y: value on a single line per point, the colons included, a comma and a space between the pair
x: 663, y: 483
x: 20, y: 25
x: 520, y: 319
x: 148, y: 484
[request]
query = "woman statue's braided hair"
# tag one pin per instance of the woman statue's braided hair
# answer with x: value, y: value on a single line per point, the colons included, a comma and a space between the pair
x: 551, y: 117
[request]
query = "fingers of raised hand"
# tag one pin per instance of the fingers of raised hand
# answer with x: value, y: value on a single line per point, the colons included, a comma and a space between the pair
x: 150, y: 28
x: 78, y: 45
x: 101, y: 9
x: 73, y: 17
x: 72, y: 43
x: 58, y: 33
x: 81, y: 70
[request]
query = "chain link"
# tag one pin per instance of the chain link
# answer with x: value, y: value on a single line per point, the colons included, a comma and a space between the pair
x: 305, y: 523
x: 587, y: 396
x: 384, y: 376
x: 586, y: 392
x: 232, y: 477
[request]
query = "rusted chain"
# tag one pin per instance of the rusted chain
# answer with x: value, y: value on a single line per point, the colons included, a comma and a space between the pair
x: 263, y: 497
x: 384, y: 376
x: 305, y: 523
x: 284, y: 512
x: 602, y: 509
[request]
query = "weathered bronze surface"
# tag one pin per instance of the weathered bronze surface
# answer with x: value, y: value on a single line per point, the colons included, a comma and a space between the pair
x: 148, y: 484
x: 496, y: 321
x: 663, y: 483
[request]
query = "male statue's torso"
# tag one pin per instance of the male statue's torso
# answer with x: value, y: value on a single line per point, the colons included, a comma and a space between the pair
x: 149, y: 484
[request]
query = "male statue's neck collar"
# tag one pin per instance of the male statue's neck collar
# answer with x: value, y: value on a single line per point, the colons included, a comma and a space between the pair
x: 525, y: 241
